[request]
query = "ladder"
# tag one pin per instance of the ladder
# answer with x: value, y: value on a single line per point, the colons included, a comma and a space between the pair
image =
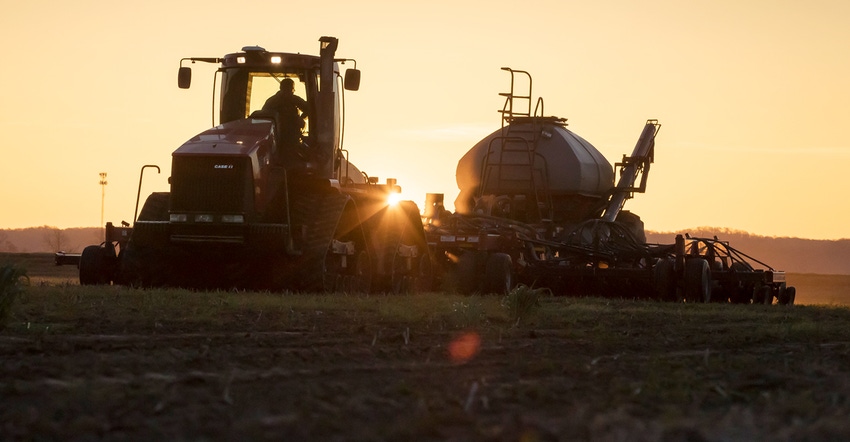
x: 511, y: 165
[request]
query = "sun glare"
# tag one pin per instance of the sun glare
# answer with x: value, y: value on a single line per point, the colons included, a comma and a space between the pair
x: 393, y: 198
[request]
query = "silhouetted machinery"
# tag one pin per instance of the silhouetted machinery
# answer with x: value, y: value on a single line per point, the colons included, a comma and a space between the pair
x: 265, y: 200
x: 538, y: 206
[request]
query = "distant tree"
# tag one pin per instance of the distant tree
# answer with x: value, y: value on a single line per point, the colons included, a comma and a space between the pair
x: 54, y: 238
x: 95, y: 236
x: 6, y: 245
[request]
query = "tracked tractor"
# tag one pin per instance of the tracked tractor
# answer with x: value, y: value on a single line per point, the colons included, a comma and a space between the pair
x: 539, y: 205
x: 267, y: 199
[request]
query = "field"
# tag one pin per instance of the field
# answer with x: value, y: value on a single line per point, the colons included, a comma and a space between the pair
x: 121, y: 364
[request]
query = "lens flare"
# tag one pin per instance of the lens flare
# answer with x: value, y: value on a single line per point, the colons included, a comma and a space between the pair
x: 464, y: 347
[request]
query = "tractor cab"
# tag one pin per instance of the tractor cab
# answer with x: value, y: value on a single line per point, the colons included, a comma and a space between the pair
x: 247, y: 80
x: 245, y: 90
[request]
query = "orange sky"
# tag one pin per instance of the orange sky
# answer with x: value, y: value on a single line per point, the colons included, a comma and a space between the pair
x: 753, y: 97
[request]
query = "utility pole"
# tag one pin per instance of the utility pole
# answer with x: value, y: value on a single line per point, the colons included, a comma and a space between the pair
x: 102, y: 198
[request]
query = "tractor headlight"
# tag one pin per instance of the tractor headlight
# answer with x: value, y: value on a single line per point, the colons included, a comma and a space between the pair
x: 236, y: 219
x: 203, y: 218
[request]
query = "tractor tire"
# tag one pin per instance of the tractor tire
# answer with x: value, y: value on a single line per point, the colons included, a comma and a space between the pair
x: 467, y: 275
x: 361, y: 274
x: 385, y: 237
x: 403, y: 260
x: 790, y: 295
x: 130, y: 269
x: 758, y: 294
x: 697, y: 287
x: 330, y: 217
x: 425, y: 280
x: 781, y: 294
x: 418, y: 280
x: 767, y: 296
x: 664, y: 280
x: 94, y: 266
x: 146, y: 268
x: 141, y: 266
x: 498, y: 274
x: 741, y: 292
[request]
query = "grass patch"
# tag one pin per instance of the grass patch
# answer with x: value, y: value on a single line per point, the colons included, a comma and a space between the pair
x: 602, y: 323
x: 12, y: 279
x: 523, y: 302
x: 117, y: 309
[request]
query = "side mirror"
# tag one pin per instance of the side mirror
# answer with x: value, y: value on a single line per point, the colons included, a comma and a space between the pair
x: 184, y: 77
x: 352, y: 79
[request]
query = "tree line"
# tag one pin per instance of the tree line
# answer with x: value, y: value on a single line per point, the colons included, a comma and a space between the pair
x: 794, y: 255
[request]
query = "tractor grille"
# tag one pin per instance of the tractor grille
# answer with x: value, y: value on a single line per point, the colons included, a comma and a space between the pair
x: 211, y: 184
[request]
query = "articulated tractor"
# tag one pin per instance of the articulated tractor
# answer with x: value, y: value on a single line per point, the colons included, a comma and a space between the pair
x: 266, y: 199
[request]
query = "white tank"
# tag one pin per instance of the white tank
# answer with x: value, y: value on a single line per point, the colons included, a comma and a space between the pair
x: 559, y: 166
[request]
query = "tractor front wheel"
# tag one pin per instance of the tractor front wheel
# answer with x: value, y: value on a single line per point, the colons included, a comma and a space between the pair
x: 95, y: 266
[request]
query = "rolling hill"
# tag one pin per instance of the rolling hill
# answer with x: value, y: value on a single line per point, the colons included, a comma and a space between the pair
x: 796, y: 255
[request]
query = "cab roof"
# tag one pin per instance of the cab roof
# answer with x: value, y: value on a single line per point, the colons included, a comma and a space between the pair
x: 257, y: 57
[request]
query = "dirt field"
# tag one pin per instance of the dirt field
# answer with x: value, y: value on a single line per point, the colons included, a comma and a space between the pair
x: 112, y: 363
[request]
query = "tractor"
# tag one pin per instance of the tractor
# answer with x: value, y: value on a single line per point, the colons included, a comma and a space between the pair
x: 267, y: 198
